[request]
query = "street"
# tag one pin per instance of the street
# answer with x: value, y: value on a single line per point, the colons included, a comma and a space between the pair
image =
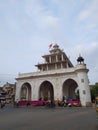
x: 41, y: 118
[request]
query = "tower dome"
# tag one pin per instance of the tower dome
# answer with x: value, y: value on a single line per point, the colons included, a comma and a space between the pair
x: 80, y: 59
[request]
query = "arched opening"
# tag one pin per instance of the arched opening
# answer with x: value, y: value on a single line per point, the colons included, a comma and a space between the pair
x: 69, y: 88
x: 26, y: 91
x: 46, y: 91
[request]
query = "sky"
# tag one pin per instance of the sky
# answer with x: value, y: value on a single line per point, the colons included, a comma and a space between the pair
x: 28, y: 27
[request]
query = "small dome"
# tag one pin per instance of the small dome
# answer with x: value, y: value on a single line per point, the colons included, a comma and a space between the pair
x: 56, y: 46
x: 80, y: 59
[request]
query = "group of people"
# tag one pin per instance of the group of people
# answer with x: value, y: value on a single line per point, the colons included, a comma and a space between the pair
x: 63, y: 102
x: 50, y: 104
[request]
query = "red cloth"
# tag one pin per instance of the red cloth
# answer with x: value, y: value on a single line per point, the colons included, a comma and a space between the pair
x: 50, y: 45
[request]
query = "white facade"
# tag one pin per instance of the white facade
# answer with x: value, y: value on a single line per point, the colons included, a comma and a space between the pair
x: 57, y: 77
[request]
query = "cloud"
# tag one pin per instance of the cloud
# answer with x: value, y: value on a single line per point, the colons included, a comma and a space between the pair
x: 90, y: 11
x: 88, y: 51
x: 84, y: 14
x: 28, y: 27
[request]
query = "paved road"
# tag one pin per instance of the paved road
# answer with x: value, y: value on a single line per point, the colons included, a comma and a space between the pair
x: 35, y: 118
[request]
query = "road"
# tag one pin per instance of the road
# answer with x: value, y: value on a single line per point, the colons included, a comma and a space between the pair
x: 40, y: 118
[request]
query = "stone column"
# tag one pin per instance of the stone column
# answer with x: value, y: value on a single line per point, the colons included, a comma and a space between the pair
x: 62, y: 57
x: 18, y: 91
x: 57, y: 88
x: 49, y: 59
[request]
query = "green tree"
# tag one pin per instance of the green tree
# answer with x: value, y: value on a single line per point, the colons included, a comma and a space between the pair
x: 94, y: 91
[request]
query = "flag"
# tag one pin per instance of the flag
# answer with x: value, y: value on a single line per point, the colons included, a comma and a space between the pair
x: 50, y: 45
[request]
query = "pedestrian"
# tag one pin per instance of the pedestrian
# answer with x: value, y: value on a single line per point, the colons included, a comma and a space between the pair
x: 28, y: 104
x: 52, y: 104
x: 2, y: 104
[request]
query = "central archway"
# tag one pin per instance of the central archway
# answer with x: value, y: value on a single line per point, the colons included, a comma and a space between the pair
x: 46, y: 91
x: 69, y: 88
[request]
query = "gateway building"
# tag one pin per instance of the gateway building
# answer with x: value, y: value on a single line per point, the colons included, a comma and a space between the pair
x: 55, y: 78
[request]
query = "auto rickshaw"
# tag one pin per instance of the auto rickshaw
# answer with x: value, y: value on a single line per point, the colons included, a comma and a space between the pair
x: 96, y: 104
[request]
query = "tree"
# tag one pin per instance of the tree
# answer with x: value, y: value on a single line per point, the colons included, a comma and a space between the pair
x: 94, y: 91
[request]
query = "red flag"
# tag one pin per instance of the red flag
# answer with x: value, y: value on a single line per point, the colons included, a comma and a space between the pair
x: 50, y: 45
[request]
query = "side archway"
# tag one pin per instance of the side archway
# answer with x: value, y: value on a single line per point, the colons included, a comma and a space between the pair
x: 69, y: 88
x: 25, y: 93
x: 46, y: 91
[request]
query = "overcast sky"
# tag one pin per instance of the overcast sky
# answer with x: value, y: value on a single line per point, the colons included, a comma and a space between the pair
x: 27, y: 27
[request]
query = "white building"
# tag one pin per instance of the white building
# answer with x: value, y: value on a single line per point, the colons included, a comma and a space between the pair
x: 57, y: 77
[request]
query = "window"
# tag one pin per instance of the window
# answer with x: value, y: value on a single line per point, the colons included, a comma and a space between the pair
x: 82, y: 80
x: 84, y: 92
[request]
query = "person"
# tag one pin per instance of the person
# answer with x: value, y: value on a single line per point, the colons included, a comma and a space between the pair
x: 2, y: 104
x: 52, y: 104
x: 40, y: 98
x: 28, y: 104
x: 65, y: 101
